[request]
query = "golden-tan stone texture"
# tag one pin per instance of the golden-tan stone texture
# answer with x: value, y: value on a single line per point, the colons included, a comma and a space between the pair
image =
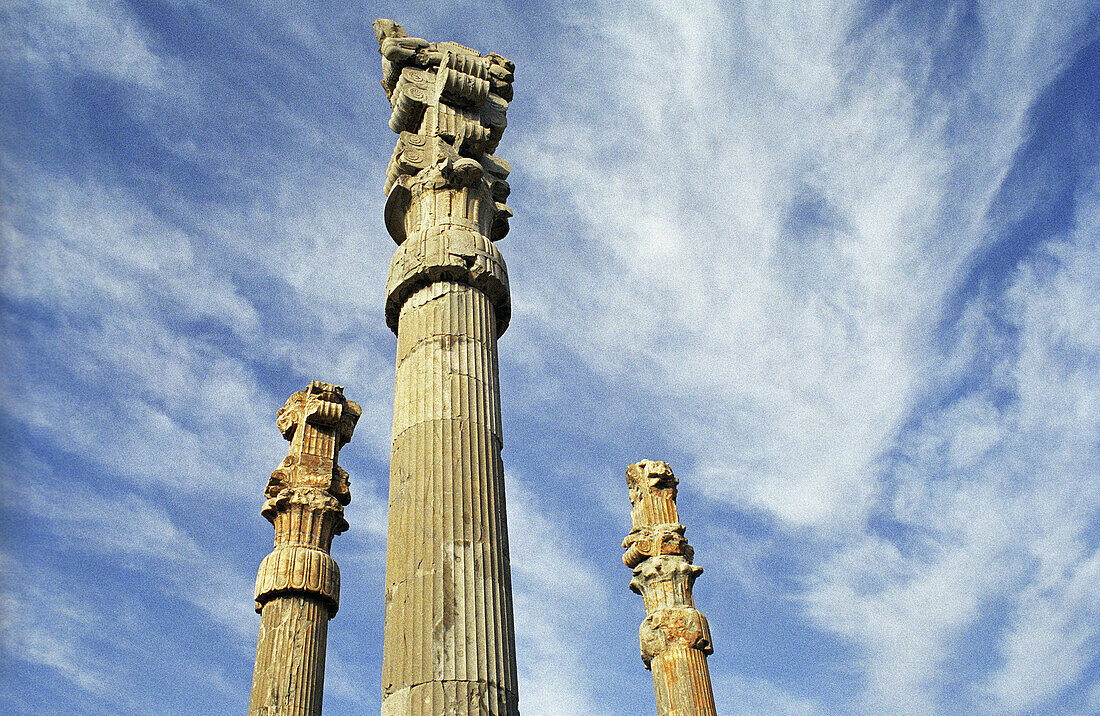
x: 298, y: 583
x: 675, y: 637
x: 449, y: 637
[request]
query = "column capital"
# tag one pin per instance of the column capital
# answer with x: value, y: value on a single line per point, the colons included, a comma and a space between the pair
x: 446, y: 191
x: 317, y: 421
x: 302, y: 569
x: 671, y: 570
x: 652, y: 486
x: 655, y: 540
x: 306, y: 495
x: 323, y: 405
x: 448, y: 253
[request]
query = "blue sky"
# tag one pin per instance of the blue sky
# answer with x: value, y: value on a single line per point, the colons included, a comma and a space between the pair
x: 838, y: 263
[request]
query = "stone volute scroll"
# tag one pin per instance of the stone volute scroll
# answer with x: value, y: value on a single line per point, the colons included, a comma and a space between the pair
x: 449, y: 635
x: 675, y: 637
x: 298, y: 583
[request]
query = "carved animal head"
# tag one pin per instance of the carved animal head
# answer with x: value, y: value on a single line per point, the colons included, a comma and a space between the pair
x: 387, y: 28
x: 648, y: 476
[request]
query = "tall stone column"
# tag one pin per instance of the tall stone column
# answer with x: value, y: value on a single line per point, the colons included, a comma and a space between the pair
x: 298, y: 584
x: 675, y: 637
x: 449, y: 637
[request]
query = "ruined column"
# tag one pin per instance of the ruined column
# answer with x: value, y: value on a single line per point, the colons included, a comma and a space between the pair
x: 675, y: 637
x: 298, y: 584
x: 449, y: 639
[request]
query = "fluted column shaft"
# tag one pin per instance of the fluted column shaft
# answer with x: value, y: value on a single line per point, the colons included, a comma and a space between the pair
x: 449, y: 645
x: 290, y: 657
x: 681, y: 680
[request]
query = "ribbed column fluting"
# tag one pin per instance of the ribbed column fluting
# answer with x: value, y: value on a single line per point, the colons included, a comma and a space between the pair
x: 681, y: 682
x: 449, y: 644
x: 289, y: 678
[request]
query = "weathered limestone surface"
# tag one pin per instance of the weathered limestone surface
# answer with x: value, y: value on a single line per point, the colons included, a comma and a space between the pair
x: 298, y: 584
x: 449, y: 637
x: 290, y: 658
x: 675, y: 636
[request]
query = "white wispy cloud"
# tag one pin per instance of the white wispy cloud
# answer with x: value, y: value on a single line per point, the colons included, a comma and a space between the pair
x: 787, y: 326
x: 58, y: 38
x: 1002, y: 500
x: 745, y: 230
x: 554, y: 583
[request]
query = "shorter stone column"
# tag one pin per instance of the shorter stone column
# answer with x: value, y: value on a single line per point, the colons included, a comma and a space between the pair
x: 298, y: 584
x: 675, y: 636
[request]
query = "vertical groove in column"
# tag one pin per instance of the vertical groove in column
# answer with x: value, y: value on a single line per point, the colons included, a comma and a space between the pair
x: 682, y: 682
x: 446, y: 507
x: 289, y: 679
x: 700, y: 681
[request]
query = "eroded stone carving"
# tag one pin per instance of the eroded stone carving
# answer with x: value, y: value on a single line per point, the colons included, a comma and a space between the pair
x: 683, y: 626
x: 675, y: 637
x: 449, y: 636
x: 298, y: 583
x: 446, y: 191
x: 653, y: 540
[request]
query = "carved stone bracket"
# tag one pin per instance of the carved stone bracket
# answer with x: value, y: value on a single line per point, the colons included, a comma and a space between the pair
x: 672, y: 572
x: 305, y: 514
x: 652, y: 488
x: 321, y: 404
x: 654, y: 540
x: 473, y: 190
